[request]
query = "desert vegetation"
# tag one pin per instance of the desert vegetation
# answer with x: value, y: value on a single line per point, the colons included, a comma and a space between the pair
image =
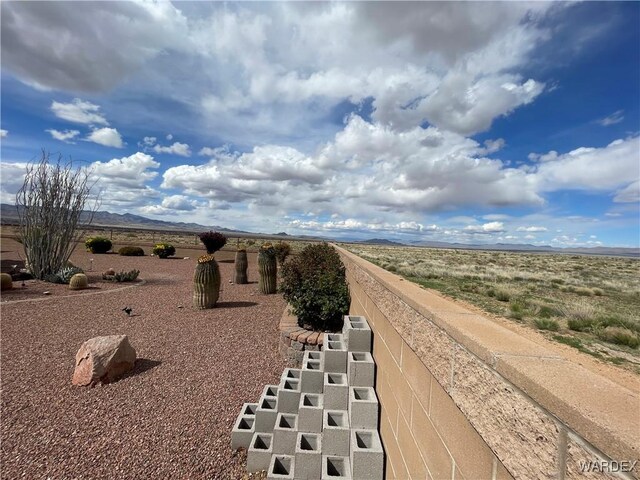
x: 589, y: 302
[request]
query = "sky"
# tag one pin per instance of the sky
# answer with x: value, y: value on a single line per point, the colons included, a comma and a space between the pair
x: 470, y: 122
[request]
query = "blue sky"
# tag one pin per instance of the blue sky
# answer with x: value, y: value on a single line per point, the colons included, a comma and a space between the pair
x: 470, y: 122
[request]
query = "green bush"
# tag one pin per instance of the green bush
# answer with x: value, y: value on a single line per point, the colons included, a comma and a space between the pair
x: 98, y: 244
x: 619, y: 336
x: 131, y: 252
x: 315, y: 286
x: 164, y: 250
x: 581, y: 324
x: 122, y: 276
x: 283, y: 249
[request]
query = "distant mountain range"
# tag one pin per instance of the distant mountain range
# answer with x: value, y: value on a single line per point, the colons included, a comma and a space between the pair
x: 9, y: 215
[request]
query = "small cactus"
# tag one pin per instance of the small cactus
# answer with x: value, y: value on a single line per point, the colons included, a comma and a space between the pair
x: 241, y: 267
x: 7, y: 283
x: 78, y: 282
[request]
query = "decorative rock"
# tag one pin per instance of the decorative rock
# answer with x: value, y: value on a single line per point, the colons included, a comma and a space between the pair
x: 109, y: 271
x: 103, y: 359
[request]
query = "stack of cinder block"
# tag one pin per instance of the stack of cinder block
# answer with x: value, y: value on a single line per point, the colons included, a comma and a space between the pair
x: 321, y: 421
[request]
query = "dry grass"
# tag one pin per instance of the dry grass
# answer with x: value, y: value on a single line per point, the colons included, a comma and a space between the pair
x: 582, y: 297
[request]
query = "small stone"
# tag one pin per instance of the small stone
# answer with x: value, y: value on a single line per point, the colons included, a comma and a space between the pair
x: 186, y: 258
x: 46, y: 293
x: 180, y: 306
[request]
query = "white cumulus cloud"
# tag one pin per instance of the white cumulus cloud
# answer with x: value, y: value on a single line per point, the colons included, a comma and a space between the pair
x: 3, y: 133
x: 109, y: 137
x: 181, y: 149
x: 79, y: 111
x: 63, y: 136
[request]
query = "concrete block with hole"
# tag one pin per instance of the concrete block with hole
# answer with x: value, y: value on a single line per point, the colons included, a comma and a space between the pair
x: 335, y: 468
x: 308, y: 456
x: 266, y: 414
x: 357, y: 334
x: 367, y: 456
x: 281, y: 467
x: 249, y: 409
x: 285, y: 432
x: 312, y: 373
x: 260, y: 451
x: 269, y: 391
x: 361, y: 369
x: 290, y: 373
x: 288, y: 395
x: 335, y: 433
x: 310, y: 412
x: 243, y: 431
x: 363, y: 408
x: 335, y: 354
x: 336, y: 391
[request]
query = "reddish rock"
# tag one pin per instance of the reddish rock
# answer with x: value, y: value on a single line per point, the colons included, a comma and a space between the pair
x: 109, y: 271
x: 103, y: 360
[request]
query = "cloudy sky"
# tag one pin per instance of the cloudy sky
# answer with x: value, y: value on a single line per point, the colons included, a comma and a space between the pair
x: 465, y: 122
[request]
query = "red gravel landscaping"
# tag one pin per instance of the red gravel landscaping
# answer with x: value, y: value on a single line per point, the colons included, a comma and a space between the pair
x: 171, y: 418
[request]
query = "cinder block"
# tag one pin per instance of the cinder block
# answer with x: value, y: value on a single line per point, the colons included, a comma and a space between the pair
x: 310, y: 412
x: 335, y: 433
x: 281, y: 467
x: 259, y: 453
x: 312, y: 374
x: 266, y: 414
x: 363, y: 408
x: 361, y: 369
x: 308, y: 456
x: 309, y: 355
x: 335, y: 355
x: 249, y: 408
x: 336, y: 391
x: 289, y: 395
x: 289, y: 373
x: 357, y: 334
x: 335, y: 467
x: 243, y: 431
x: 269, y: 391
x: 284, y: 434
x: 367, y: 457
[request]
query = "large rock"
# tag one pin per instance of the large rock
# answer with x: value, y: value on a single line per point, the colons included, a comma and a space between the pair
x: 103, y: 360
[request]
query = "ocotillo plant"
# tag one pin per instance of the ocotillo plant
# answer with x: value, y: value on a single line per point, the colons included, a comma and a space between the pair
x: 267, y: 268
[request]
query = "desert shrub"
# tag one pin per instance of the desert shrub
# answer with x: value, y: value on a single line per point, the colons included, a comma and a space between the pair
x: 619, y: 336
x: 502, y: 295
x: 572, y: 342
x: 98, y: 244
x: 122, y: 276
x: 131, y: 252
x: 581, y: 324
x: 579, y: 310
x: 547, y: 324
x: 315, y: 286
x: 598, y: 292
x: 518, y: 308
x: 283, y: 249
x: 583, y: 291
x: 164, y: 250
x: 545, y: 311
x: 213, y: 241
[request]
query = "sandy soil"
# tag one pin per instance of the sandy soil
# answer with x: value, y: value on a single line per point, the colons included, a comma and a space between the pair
x: 170, y: 418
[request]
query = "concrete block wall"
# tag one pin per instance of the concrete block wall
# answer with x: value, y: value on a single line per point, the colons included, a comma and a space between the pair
x: 315, y: 423
x: 462, y: 397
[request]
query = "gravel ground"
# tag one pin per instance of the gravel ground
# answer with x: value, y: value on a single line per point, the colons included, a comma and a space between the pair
x: 171, y: 418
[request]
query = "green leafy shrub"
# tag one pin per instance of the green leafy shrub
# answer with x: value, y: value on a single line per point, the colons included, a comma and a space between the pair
x: 315, y: 286
x: 131, y: 252
x: 283, y: 249
x: 164, y: 250
x: 98, y: 244
x: 502, y: 295
x: 213, y: 241
x: 581, y: 324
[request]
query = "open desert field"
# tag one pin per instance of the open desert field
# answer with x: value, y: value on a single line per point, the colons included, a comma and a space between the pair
x: 591, y: 303
x: 172, y: 416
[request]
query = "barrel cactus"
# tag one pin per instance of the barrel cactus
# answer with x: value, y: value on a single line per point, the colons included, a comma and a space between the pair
x: 7, y: 283
x: 67, y: 273
x: 78, y: 282
x: 267, y: 268
x: 206, y: 282
x: 241, y: 267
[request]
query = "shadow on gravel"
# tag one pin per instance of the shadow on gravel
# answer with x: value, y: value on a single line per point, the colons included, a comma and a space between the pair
x: 142, y: 365
x: 227, y: 261
x: 235, y: 304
